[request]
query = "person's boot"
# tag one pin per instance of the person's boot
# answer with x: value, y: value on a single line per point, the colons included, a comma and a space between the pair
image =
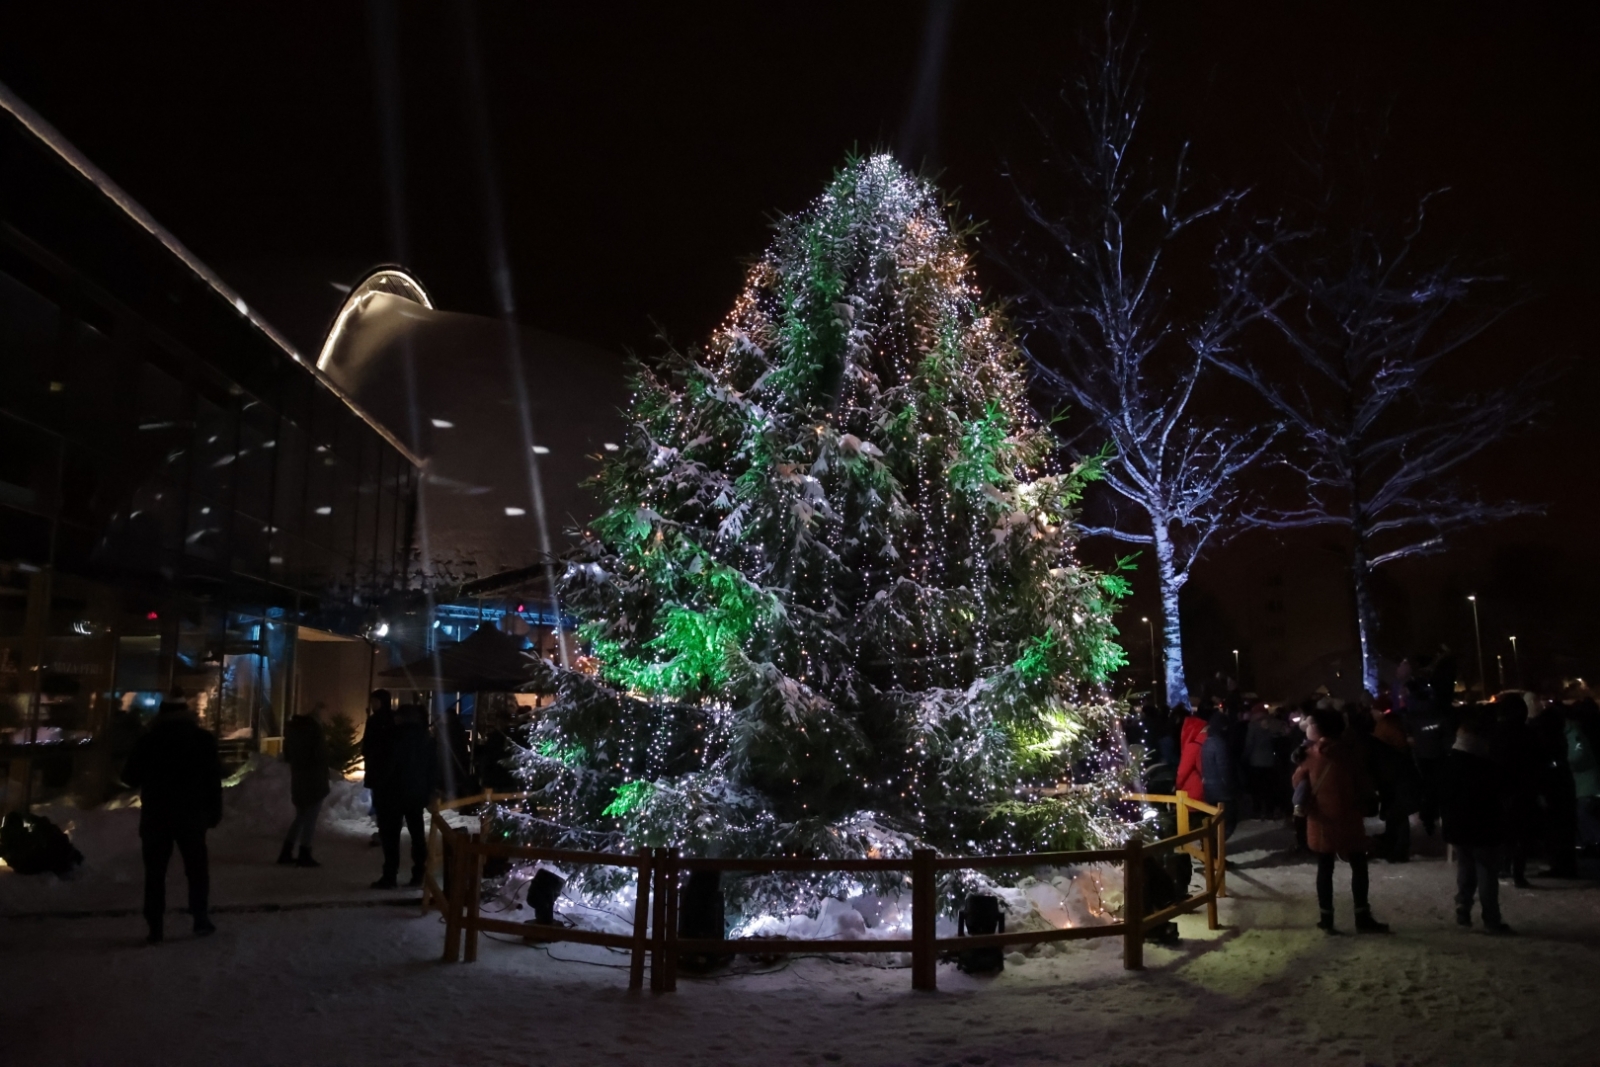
x: 1366, y: 924
x: 386, y: 882
x: 1496, y: 927
x: 1325, y: 924
x: 1463, y: 916
x: 305, y: 859
x: 154, y: 937
x: 203, y: 926
x: 416, y: 878
x: 286, y: 857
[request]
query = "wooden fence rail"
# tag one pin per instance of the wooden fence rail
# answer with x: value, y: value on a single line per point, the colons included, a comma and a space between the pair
x: 460, y: 854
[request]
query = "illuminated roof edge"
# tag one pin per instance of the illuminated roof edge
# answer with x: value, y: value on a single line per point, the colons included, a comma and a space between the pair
x: 48, y: 135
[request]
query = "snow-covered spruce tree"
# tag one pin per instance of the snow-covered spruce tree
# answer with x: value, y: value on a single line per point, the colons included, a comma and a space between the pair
x: 833, y: 606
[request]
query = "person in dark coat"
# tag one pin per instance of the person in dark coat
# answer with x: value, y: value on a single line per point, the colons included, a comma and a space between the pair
x: 1217, y: 772
x: 400, y: 764
x: 305, y: 750
x: 1399, y: 784
x: 463, y: 782
x: 1519, y: 763
x: 1336, y: 781
x: 176, y: 769
x: 1472, y: 809
x: 1558, y: 794
x: 1426, y: 725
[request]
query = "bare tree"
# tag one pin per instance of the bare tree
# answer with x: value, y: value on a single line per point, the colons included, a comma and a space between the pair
x: 1376, y: 443
x: 1122, y: 332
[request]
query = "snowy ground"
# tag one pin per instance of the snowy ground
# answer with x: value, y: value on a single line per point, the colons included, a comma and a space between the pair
x: 337, y: 980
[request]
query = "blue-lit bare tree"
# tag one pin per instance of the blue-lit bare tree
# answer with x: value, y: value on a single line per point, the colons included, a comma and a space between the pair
x: 1379, y: 446
x: 1125, y: 321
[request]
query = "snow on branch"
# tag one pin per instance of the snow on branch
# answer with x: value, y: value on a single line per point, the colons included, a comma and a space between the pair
x: 1109, y: 338
x: 1374, y: 437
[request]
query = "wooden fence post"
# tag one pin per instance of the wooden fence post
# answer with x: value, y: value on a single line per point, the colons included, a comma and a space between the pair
x: 1183, y: 813
x: 1208, y: 844
x: 474, y: 897
x: 669, y: 927
x: 455, y: 857
x: 669, y: 936
x: 1222, y: 852
x: 1133, y: 903
x: 924, y: 921
x: 658, y: 924
x: 641, y: 921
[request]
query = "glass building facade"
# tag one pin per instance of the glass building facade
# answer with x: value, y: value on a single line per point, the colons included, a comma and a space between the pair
x: 179, y: 491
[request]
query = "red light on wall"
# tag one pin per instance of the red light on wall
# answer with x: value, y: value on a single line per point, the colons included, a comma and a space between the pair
x: 152, y: 616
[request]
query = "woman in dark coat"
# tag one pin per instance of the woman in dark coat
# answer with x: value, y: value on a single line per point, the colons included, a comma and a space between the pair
x: 305, y: 749
x: 1336, y: 783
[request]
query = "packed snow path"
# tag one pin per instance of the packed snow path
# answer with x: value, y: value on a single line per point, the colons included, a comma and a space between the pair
x: 357, y: 984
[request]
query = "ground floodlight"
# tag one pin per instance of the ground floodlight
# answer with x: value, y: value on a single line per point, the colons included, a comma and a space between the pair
x: 542, y: 893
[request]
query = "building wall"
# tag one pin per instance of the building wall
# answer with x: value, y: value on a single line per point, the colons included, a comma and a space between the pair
x: 338, y: 674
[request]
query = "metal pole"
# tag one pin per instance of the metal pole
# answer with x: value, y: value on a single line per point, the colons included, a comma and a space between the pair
x: 1516, y: 661
x: 1150, y: 627
x: 1477, y: 632
x: 1237, y: 673
x: 1500, y: 667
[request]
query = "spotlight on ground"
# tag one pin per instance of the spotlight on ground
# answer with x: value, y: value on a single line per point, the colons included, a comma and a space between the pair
x: 542, y: 893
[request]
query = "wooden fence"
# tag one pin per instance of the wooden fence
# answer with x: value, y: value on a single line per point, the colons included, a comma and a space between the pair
x: 461, y: 855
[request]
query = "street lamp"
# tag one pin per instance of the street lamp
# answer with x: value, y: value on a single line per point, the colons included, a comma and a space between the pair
x: 1477, y: 632
x: 1500, y: 668
x: 1150, y: 628
x: 1236, y: 671
x: 1516, y: 660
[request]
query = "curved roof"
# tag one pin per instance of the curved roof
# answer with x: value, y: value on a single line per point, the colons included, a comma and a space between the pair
x: 364, y: 302
x: 447, y: 384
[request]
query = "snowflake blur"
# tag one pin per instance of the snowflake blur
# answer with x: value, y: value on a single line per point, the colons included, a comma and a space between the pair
x: 833, y: 607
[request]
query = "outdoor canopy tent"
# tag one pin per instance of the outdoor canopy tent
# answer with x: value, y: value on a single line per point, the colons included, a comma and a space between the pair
x: 488, y: 661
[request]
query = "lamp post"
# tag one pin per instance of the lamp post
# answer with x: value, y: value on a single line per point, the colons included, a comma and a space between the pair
x: 1500, y: 668
x: 1236, y: 672
x: 1477, y: 633
x: 1516, y: 661
x: 1150, y: 628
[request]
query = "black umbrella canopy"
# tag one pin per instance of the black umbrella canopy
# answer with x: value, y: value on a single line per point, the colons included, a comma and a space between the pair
x: 488, y: 661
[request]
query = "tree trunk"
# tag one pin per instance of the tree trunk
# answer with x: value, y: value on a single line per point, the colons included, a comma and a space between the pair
x: 1171, y: 635
x: 1366, y: 615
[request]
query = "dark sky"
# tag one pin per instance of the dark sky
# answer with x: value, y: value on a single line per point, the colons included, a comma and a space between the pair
x: 642, y: 149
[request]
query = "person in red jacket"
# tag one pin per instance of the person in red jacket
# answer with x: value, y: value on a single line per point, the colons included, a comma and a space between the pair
x: 1334, y: 827
x: 1192, y: 739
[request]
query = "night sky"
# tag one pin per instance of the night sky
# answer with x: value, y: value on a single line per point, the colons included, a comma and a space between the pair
x: 643, y: 149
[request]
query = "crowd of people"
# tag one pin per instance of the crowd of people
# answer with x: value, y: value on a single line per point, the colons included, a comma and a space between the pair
x: 1503, y: 781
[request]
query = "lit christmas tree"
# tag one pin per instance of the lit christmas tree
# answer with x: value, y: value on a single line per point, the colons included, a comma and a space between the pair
x: 833, y: 607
